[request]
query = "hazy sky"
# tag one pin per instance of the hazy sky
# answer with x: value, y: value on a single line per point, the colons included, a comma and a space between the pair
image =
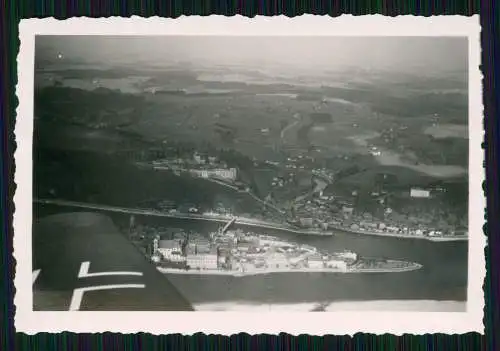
x: 318, y: 53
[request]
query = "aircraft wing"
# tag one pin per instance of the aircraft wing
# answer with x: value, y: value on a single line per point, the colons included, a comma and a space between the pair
x: 82, y: 262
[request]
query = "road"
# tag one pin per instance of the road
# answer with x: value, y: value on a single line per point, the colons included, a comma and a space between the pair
x: 151, y: 212
x: 255, y: 197
x: 224, y: 219
x: 320, y: 186
x: 283, y: 132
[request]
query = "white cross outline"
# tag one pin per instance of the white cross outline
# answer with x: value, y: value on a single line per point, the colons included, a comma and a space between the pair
x: 78, y: 293
x: 84, y: 272
x: 77, y: 297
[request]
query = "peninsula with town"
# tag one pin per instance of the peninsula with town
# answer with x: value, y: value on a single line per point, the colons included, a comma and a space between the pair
x: 239, y: 253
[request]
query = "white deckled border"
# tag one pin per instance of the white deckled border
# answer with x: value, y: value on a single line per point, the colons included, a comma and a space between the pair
x: 234, y: 322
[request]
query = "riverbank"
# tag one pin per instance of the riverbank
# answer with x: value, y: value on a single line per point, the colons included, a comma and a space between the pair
x: 403, y: 236
x: 409, y: 268
x: 151, y: 212
x: 270, y: 225
x: 212, y: 180
x: 435, y: 281
x: 239, y: 220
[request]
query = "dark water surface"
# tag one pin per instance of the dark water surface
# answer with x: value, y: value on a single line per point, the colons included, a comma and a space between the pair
x: 443, y: 277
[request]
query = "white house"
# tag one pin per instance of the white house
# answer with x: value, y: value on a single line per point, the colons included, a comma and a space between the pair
x: 203, y: 261
x: 420, y: 193
x: 170, y: 249
x: 347, y: 255
x: 347, y: 210
x: 306, y: 221
x: 230, y: 173
x: 277, y: 260
x: 315, y: 261
x: 338, y: 264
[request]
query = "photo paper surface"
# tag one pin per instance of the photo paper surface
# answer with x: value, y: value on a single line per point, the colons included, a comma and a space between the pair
x: 228, y: 166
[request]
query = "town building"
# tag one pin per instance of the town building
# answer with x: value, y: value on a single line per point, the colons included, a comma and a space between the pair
x: 315, y: 261
x: 167, y: 204
x: 228, y: 174
x: 419, y: 193
x: 347, y: 255
x: 198, y: 158
x: 306, y: 221
x: 170, y: 250
x: 347, y: 210
x: 198, y: 246
x: 245, y: 247
x: 223, y: 173
x: 155, y: 258
x: 277, y: 260
x: 337, y: 264
x: 203, y: 261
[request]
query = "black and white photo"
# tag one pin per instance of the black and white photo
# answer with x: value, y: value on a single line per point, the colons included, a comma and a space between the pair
x: 175, y: 171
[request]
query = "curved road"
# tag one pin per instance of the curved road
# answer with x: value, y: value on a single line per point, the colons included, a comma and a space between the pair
x: 284, y: 130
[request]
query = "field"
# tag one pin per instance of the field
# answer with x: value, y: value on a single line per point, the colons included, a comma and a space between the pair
x: 417, y: 122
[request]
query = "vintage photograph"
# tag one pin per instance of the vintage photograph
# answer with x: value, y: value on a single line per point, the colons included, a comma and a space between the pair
x: 251, y: 173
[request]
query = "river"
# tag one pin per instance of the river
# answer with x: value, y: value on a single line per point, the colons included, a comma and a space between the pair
x: 443, y: 276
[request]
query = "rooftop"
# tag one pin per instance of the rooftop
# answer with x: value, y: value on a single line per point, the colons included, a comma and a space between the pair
x: 168, y: 244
